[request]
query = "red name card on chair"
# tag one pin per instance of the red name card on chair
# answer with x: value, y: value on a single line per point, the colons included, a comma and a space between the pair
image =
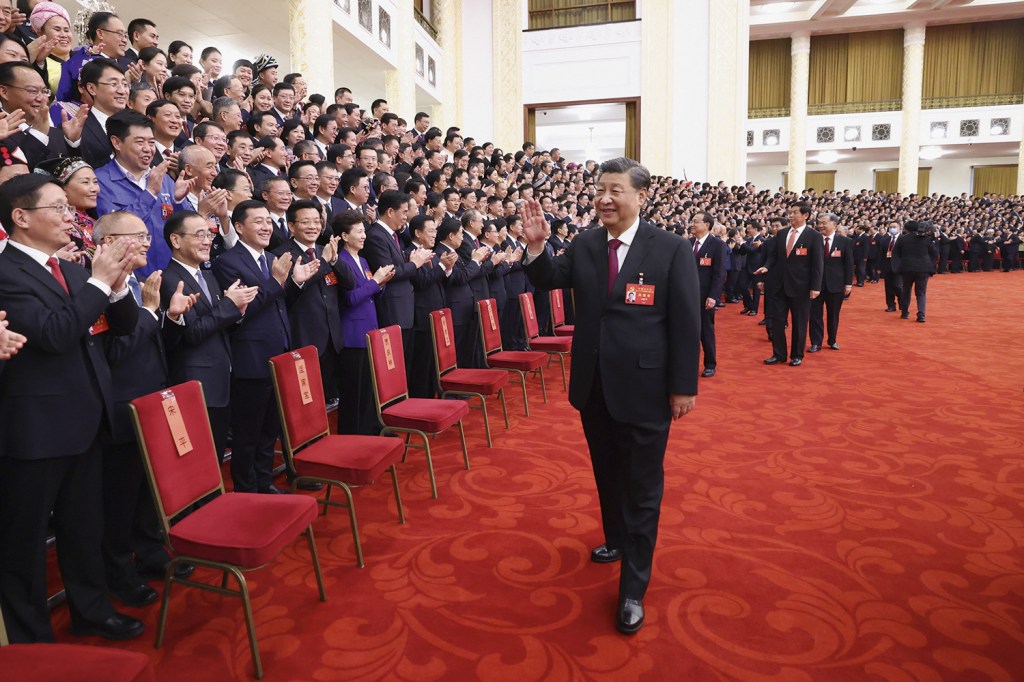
x: 444, y: 330
x: 388, y: 355
x: 303, y: 378
x: 175, y: 422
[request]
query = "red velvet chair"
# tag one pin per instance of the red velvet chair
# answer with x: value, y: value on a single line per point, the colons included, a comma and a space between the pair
x: 232, y: 532
x: 558, y: 325
x: 520, y: 362
x: 555, y: 346
x: 314, y: 452
x: 65, y: 662
x: 399, y: 413
x: 478, y: 383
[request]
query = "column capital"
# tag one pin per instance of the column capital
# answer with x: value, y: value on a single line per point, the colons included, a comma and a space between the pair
x: 800, y: 43
x: 913, y: 34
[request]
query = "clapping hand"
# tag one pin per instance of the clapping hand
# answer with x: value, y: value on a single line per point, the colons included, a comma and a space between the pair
x: 241, y: 295
x: 180, y: 302
x: 10, y: 342
x: 303, y: 272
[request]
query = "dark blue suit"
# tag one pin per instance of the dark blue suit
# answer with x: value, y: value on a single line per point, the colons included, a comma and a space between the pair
x: 428, y: 292
x: 460, y: 299
x: 356, y: 411
x: 711, y: 275
x: 49, y: 466
x: 262, y: 334
x: 397, y: 303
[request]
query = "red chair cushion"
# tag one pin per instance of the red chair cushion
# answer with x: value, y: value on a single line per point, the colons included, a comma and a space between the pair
x: 560, y: 344
x: 565, y: 330
x: 63, y: 662
x: 484, y: 381
x: 245, y: 529
x: 349, y: 459
x: 425, y: 414
x: 524, y: 360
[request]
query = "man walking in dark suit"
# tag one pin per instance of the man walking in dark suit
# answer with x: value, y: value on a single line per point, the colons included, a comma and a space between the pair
x: 262, y: 334
x: 890, y: 272
x: 836, y: 283
x: 200, y: 349
x: 635, y: 359
x: 709, y: 253
x: 798, y: 253
x: 60, y: 373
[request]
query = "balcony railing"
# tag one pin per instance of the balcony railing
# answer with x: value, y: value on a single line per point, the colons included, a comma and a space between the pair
x: 425, y: 23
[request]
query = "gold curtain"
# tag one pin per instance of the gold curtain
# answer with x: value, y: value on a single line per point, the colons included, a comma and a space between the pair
x: 820, y: 181
x: 531, y: 124
x: 995, y: 179
x: 632, y: 146
x: 561, y: 13
x: 853, y: 68
x: 769, y: 75
x: 887, y: 180
x: 924, y: 176
x: 974, y: 60
x: 828, y: 69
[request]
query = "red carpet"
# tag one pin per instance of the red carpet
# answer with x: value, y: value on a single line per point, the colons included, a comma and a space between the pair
x: 858, y: 518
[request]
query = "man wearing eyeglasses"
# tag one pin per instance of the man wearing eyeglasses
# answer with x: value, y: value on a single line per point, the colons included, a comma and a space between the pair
x: 22, y: 88
x: 44, y: 470
x: 107, y: 88
x: 129, y: 184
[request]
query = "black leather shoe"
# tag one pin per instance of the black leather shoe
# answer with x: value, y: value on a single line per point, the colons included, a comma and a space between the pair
x: 117, y: 627
x: 920, y: 318
x: 814, y: 348
x: 181, y: 571
x: 762, y: 323
x: 751, y: 313
x: 274, y: 490
x: 796, y: 362
x: 141, y: 595
x: 774, y: 360
x: 834, y: 346
x: 890, y: 310
x: 744, y: 312
x: 630, y: 617
x: 904, y: 316
x: 312, y: 486
x: 605, y: 555
x: 710, y: 372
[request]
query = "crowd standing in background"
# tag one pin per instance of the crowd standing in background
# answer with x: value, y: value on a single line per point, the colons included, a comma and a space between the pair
x: 167, y: 217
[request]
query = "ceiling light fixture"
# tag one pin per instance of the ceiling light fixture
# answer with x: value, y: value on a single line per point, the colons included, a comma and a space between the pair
x: 828, y: 157
x: 931, y: 153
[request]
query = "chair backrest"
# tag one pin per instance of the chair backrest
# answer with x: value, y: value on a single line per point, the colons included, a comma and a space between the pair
x: 173, y: 432
x: 300, y: 397
x: 387, y: 364
x: 529, y: 315
x: 557, y: 308
x: 490, y: 329
x: 442, y: 331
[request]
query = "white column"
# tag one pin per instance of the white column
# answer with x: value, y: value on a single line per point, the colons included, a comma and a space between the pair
x: 729, y: 24
x: 311, y: 44
x: 448, y: 17
x: 800, y: 69
x: 913, y: 78
x: 400, y: 82
x: 656, y: 87
x: 507, y: 72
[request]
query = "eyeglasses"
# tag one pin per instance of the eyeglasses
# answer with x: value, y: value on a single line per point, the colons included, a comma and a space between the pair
x: 199, y: 236
x: 141, y: 237
x: 306, y: 222
x: 58, y: 209
x: 32, y: 91
x: 119, y: 34
x: 116, y: 85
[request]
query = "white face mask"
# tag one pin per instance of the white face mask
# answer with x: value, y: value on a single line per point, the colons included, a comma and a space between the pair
x: 893, y: 231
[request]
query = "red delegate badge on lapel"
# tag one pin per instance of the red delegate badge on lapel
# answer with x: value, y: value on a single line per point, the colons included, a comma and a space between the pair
x: 800, y: 251
x: 330, y: 279
x: 704, y: 262
x: 837, y: 254
x: 99, y: 326
x: 639, y: 294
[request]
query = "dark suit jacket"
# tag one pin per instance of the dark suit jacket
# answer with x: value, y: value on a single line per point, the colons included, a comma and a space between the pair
x: 61, y: 373
x: 200, y: 349
x: 34, y: 150
x: 260, y: 174
x: 95, y: 147
x: 138, y: 367
x: 428, y: 291
x: 315, y: 313
x: 753, y: 249
x: 457, y: 292
x: 916, y: 253
x: 889, y: 264
x: 478, y: 281
x: 515, y: 283
x: 711, y: 277
x: 358, y: 313
x: 643, y: 353
x: 838, y: 273
x: 801, y: 274
x: 264, y: 331
x: 396, y: 304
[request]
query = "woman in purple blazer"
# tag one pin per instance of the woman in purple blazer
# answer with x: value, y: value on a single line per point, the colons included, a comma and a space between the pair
x: 357, y: 413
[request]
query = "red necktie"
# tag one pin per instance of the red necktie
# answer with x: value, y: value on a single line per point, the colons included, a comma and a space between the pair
x: 613, y: 262
x: 54, y: 266
x: 827, y: 242
x: 791, y: 240
x: 397, y: 243
x: 696, y: 246
x: 311, y: 253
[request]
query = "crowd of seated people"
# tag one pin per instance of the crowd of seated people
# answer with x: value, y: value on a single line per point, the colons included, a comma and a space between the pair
x: 164, y: 221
